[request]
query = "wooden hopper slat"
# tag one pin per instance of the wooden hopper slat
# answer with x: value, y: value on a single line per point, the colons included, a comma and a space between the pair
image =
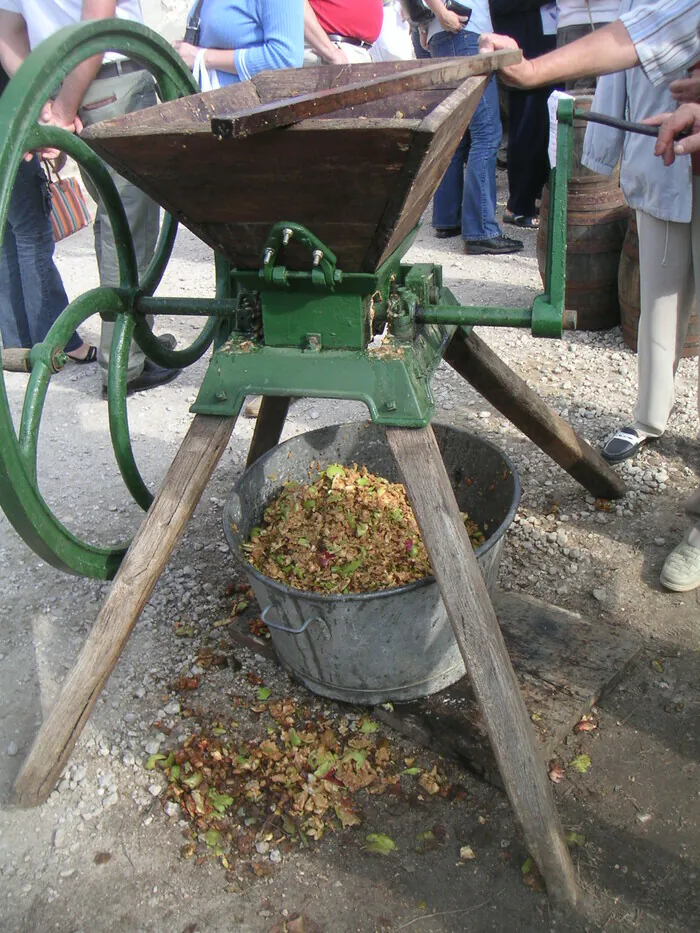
x: 359, y: 178
x: 276, y: 114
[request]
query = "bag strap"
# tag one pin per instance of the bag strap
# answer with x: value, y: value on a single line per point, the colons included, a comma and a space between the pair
x: 193, y: 18
x: 49, y: 168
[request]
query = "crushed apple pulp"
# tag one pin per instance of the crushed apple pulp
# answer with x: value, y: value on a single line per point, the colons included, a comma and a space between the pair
x: 348, y: 531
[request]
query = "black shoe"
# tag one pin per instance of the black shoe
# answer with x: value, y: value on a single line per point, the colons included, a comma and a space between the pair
x: 625, y: 444
x: 493, y: 246
x: 150, y: 377
x: 444, y: 233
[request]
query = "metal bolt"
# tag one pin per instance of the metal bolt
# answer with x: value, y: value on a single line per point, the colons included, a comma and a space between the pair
x: 317, y: 256
x: 221, y: 396
x: 287, y: 235
x: 391, y: 405
x: 267, y: 256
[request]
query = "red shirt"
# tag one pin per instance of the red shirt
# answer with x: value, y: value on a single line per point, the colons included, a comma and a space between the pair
x: 356, y: 19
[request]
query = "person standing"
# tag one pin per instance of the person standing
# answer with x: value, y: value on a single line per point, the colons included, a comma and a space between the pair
x: 664, y: 38
x: 663, y: 200
x: 32, y: 295
x: 465, y: 201
x: 101, y: 88
x: 341, y: 32
x: 533, y: 25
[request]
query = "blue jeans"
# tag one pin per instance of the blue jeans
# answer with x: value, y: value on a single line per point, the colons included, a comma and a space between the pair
x: 466, y: 196
x: 31, y: 291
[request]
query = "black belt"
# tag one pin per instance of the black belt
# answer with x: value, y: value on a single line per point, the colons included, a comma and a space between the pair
x: 115, y: 69
x: 360, y: 43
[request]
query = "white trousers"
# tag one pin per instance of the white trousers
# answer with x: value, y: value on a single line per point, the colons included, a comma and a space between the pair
x: 669, y: 273
x: 356, y: 55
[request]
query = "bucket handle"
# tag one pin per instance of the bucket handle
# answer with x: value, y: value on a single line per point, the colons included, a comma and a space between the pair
x: 284, y: 628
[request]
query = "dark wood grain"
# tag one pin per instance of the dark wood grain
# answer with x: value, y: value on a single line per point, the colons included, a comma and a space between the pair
x: 264, y: 117
x: 505, y: 390
x: 269, y: 426
x: 481, y: 644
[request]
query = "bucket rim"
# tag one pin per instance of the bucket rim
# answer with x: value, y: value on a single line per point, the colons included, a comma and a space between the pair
x: 334, y: 598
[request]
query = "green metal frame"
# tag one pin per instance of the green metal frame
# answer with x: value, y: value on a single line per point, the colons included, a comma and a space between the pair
x: 20, y: 106
x: 318, y: 324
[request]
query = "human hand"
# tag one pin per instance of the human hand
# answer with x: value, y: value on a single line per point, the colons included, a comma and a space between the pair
x: 187, y: 52
x: 337, y: 56
x: 492, y: 42
x: 449, y: 20
x: 686, y: 90
x: 423, y: 36
x: 687, y: 117
x: 521, y: 75
x: 52, y: 114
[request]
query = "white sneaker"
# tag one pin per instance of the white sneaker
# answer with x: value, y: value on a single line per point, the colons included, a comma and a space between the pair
x: 681, y: 570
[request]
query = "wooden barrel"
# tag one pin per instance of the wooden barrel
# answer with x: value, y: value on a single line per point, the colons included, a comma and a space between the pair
x: 595, y: 229
x: 628, y: 288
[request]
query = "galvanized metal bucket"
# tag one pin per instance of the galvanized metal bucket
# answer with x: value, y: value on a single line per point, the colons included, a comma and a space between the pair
x: 393, y: 644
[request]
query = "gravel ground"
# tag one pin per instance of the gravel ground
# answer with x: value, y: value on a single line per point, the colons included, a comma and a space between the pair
x: 105, y: 853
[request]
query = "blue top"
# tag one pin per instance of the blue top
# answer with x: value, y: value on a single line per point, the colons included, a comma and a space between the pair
x: 263, y: 34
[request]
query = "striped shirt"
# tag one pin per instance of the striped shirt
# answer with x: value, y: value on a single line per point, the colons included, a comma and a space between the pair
x: 666, y: 35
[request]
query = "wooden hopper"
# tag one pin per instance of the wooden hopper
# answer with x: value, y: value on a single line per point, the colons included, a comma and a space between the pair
x: 358, y: 174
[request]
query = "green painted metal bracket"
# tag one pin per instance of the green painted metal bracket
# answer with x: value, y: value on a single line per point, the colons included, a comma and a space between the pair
x: 549, y: 316
x: 323, y: 260
x: 391, y: 377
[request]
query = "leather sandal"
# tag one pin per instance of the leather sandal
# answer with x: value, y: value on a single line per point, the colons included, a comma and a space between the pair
x: 625, y: 444
x: 520, y: 220
x: 90, y: 356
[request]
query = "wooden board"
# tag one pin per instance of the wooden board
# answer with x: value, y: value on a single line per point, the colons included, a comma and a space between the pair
x: 279, y: 113
x: 564, y: 664
x: 359, y: 178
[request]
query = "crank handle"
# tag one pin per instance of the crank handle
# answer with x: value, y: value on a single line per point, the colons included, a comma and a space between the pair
x: 625, y: 125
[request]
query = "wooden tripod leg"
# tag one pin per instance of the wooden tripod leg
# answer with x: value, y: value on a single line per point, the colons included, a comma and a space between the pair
x: 150, y: 550
x: 268, y: 427
x: 485, y: 656
x: 507, y: 392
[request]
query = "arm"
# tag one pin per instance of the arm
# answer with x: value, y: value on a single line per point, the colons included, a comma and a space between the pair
x: 14, y: 41
x: 602, y: 52
x: 218, y: 59
x: 449, y: 21
x: 70, y: 97
x: 316, y: 37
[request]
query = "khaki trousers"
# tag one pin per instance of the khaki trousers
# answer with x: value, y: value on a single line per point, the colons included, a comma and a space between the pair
x: 669, y: 273
x: 105, y: 99
x: 356, y: 55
